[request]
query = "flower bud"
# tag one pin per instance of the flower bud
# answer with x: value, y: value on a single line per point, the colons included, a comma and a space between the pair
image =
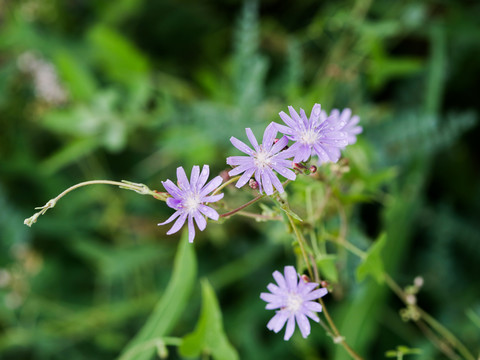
x: 313, y: 169
x: 305, y: 278
x: 418, y: 281
x: 253, y: 184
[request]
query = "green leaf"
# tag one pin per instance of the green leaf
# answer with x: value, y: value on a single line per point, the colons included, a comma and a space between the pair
x: 170, y: 307
x: 209, y: 336
x: 372, y: 264
x: 68, y: 154
x: 117, y: 56
x: 328, y: 268
x: 79, y: 81
x: 474, y: 317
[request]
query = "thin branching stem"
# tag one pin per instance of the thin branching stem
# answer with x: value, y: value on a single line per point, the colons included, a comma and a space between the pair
x: 431, y: 321
x: 138, y: 188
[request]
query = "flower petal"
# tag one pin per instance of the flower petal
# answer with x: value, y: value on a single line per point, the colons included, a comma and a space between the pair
x: 312, y: 306
x: 245, y: 177
x: 174, y: 203
x: 277, y: 322
x: 251, y: 137
x: 267, y: 183
x: 238, y: 160
x: 316, y: 294
x: 290, y: 328
x: 212, y: 199
x: 303, y: 324
x: 279, y: 145
x: 212, y: 185
x: 182, y: 179
x: 241, y: 146
x: 200, y: 220
x: 291, y: 277
x: 269, y: 136
x: 178, y: 224
x: 239, y: 169
x: 171, y: 218
x: 172, y: 189
x: 284, y: 129
x: 277, y: 275
x: 286, y: 173
x: 288, y: 120
x: 274, y: 180
x: 191, y: 229
x: 202, y: 179
x: 208, y: 212
x: 194, y: 176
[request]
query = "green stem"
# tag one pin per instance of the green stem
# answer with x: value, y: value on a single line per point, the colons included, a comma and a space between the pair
x: 226, y: 183
x: 434, y: 324
x: 138, y: 188
x: 337, y: 337
x: 300, y: 241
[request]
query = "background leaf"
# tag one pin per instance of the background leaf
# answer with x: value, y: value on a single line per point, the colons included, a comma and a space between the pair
x: 209, y: 336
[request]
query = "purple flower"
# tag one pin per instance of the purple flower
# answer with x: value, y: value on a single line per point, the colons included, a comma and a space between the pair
x: 321, y: 134
x: 189, y: 199
x: 351, y: 127
x: 294, y: 297
x: 262, y: 161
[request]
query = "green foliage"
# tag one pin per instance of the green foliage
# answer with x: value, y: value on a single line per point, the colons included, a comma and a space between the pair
x: 209, y: 336
x: 372, y: 264
x: 401, y: 351
x: 171, y: 305
x: 150, y: 86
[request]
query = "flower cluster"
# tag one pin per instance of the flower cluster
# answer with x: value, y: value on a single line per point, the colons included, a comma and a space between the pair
x: 320, y: 135
x: 295, y: 300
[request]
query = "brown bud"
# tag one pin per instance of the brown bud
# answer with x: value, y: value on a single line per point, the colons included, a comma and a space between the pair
x: 324, y: 283
x: 313, y: 169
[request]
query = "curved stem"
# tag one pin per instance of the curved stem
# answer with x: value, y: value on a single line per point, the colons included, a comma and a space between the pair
x: 138, y: 188
x: 230, y: 213
x: 226, y: 183
x: 430, y: 320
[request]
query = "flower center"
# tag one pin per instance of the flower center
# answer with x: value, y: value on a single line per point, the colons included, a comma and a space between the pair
x: 309, y: 137
x: 191, y: 202
x: 262, y: 159
x: 294, y: 302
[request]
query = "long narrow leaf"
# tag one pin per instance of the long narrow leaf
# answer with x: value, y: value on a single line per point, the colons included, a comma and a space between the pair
x: 169, y: 308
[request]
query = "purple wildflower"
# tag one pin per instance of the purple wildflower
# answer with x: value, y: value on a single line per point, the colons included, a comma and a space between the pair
x: 351, y: 127
x: 189, y: 199
x: 262, y: 161
x: 321, y: 134
x: 294, y: 297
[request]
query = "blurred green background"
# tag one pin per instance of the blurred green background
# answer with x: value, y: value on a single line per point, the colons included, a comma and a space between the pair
x: 131, y: 89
